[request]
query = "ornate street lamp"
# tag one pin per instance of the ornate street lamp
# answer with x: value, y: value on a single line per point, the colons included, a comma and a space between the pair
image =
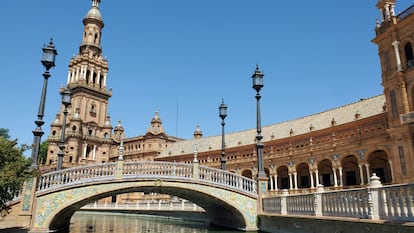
x: 257, y: 85
x: 48, y: 61
x: 66, y: 96
x: 222, y: 114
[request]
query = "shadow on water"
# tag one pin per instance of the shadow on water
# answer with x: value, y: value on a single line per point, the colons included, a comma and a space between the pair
x: 93, y: 222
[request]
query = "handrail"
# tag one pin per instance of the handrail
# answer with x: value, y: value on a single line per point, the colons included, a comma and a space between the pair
x: 145, y: 169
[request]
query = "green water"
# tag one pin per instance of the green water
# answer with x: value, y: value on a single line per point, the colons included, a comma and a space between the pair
x: 91, y: 222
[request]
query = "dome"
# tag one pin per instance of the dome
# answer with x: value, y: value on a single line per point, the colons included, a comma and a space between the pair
x: 94, y: 13
x: 156, y: 118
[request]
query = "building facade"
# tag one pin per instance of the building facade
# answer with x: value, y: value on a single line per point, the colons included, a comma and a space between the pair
x: 337, y: 148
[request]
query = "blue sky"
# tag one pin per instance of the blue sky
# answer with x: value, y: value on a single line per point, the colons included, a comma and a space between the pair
x: 182, y: 57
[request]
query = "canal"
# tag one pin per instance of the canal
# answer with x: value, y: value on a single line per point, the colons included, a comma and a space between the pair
x: 98, y: 222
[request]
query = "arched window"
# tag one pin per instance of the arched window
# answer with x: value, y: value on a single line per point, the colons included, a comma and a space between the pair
x: 409, y: 55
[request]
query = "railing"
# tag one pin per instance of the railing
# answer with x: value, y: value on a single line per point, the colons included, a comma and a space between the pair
x: 300, y: 204
x: 346, y: 203
x: 76, y: 175
x: 217, y: 176
x: 148, y: 206
x: 397, y: 202
x: 150, y: 170
x: 157, y: 169
x: 393, y: 202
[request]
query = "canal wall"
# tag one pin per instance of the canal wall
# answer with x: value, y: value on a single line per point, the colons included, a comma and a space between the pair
x: 301, y: 224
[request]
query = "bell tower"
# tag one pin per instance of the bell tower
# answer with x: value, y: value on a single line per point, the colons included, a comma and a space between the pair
x: 88, y: 129
x: 394, y: 37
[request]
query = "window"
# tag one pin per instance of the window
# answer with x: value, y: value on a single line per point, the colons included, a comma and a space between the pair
x: 409, y: 55
x: 394, y: 107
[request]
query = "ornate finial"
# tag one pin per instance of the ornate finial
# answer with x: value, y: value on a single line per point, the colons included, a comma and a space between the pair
x: 95, y: 3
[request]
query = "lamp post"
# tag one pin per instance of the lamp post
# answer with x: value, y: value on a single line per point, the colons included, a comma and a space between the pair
x: 222, y: 114
x: 66, y: 96
x: 48, y: 61
x: 257, y: 85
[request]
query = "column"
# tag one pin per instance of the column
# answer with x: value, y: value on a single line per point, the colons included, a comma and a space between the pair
x: 85, y: 70
x: 290, y: 181
x: 311, y: 178
x: 69, y: 73
x: 72, y: 76
x: 104, y: 81
x: 275, y: 178
x: 271, y: 182
x: 94, y: 152
x: 361, y: 174
x: 91, y: 77
x: 98, y: 78
x: 295, y: 176
x: 396, y: 43
x: 85, y: 147
x: 387, y: 11
x: 317, y: 177
x: 335, y: 177
x: 368, y: 173
x: 391, y: 170
x: 77, y: 74
x: 341, y: 178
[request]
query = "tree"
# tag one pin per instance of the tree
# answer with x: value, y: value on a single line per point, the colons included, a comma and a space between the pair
x: 43, y: 152
x: 13, y: 170
x: 4, y: 133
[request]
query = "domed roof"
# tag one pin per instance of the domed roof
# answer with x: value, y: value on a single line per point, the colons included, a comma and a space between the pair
x: 94, y: 13
x: 156, y: 118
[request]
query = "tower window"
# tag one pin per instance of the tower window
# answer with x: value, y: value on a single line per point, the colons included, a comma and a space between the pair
x: 409, y: 55
x: 394, y: 107
x: 74, y: 128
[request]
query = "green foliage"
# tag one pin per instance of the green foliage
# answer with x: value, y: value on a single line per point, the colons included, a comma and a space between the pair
x: 13, y: 170
x: 4, y: 133
x: 43, y: 152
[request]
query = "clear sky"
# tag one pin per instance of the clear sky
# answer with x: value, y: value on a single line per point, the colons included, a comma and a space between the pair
x: 182, y: 57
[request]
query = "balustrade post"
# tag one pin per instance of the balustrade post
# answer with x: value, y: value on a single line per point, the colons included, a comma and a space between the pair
x: 373, y: 197
x: 28, y: 200
x: 283, y: 202
x: 119, y: 169
x: 317, y: 202
x: 195, y: 170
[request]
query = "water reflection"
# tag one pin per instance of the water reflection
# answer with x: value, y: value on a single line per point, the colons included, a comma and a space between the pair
x: 92, y: 222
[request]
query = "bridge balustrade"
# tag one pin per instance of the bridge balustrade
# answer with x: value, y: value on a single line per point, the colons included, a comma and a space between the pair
x: 158, y: 169
x: 148, y: 169
x: 76, y: 175
x: 226, y: 178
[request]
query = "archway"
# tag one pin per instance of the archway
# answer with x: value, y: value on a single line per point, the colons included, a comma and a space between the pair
x: 247, y: 173
x: 303, y: 175
x: 325, y: 172
x: 283, y: 177
x: 378, y: 163
x: 222, y: 206
x: 351, y: 170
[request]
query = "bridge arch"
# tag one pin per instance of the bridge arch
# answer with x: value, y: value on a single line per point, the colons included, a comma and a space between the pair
x: 224, y: 205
